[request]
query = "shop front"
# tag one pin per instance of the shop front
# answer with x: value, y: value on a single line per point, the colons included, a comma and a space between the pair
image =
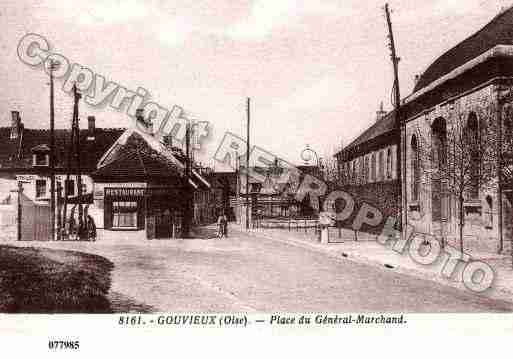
x: 157, y: 210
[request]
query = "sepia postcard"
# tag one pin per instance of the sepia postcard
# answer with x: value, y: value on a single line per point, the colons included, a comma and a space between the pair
x: 290, y: 177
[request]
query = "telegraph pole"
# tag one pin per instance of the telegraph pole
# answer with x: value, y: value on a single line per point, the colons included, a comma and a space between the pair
x: 188, y: 171
x: 247, y: 161
x: 401, y: 152
x: 52, y: 66
x: 77, y: 97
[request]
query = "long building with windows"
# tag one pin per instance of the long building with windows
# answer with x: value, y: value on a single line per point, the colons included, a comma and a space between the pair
x: 368, y: 167
x: 465, y: 92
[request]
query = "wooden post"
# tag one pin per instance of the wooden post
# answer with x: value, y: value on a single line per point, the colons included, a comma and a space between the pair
x: 400, y: 124
x: 59, y: 211
x: 247, y: 162
x: 20, y: 191
x: 52, y: 67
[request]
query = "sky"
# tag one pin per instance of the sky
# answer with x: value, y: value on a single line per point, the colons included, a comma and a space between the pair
x: 316, y: 71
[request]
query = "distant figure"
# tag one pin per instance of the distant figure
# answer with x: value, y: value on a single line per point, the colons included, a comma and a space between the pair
x: 91, y: 228
x: 225, y: 225
x: 222, y: 224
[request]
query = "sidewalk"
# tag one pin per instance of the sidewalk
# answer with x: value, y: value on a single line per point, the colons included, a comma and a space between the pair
x: 368, y: 251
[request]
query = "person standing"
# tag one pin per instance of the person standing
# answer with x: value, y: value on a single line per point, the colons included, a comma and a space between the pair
x: 221, y: 220
x: 225, y: 225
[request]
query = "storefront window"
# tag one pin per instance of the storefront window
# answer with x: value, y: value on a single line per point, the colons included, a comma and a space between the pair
x: 124, y: 214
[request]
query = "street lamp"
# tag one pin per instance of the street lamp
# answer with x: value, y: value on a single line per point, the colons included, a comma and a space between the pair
x: 306, y: 155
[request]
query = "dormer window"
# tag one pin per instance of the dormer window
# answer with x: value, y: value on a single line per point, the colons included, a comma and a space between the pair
x: 41, y: 159
x: 41, y: 155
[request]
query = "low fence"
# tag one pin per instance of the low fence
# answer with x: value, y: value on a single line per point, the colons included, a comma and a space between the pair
x: 311, y: 228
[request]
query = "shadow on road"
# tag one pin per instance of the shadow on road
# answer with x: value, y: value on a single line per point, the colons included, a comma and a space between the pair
x: 120, y: 303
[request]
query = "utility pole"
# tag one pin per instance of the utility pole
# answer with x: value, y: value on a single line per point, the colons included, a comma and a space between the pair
x: 79, y: 169
x: 401, y: 152
x: 52, y: 66
x: 75, y: 152
x: 59, y: 208
x: 68, y: 171
x: 237, y: 185
x: 19, y: 192
x: 247, y: 161
x: 189, y: 193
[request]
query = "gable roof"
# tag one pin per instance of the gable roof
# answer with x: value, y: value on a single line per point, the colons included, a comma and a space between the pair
x: 17, y: 153
x: 499, y: 31
x: 132, y: 164
x: 382, y: 126
x: 135, y: 156
x: 139, y: 156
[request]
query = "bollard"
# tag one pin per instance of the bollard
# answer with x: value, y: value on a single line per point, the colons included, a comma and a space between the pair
x: 325, y: 234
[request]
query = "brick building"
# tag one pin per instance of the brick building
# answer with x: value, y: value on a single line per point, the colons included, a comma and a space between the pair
x: 455, y: 91
x: 130, y: 180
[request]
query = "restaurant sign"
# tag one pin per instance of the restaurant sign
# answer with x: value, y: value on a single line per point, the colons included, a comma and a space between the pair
x: 125, y: 192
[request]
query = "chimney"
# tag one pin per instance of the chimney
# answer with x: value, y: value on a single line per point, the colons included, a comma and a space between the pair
x: 167, y: 140
x: 91, y: 124
x: 380, y: 113
x: 15, y: 124
x: 416, y: 80
x: 139, y: 115
x: 91, y: 128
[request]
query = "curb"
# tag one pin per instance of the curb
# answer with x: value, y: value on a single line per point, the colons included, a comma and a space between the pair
x: 496, y: 293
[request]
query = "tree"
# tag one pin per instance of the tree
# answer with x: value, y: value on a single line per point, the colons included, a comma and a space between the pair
x: 505, y: 152
x: 461, y: 158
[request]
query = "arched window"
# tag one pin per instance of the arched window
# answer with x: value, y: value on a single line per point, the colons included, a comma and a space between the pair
x: 489, y: 213
x: 389, y: 164
x: 373, y: 167
x: 440, y: 206
x: 361, y: 174
x: 381, y: 166
x: 472, y: 133
x: 508, y: 123
x: 366, y: 169
x: 415, y: 169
